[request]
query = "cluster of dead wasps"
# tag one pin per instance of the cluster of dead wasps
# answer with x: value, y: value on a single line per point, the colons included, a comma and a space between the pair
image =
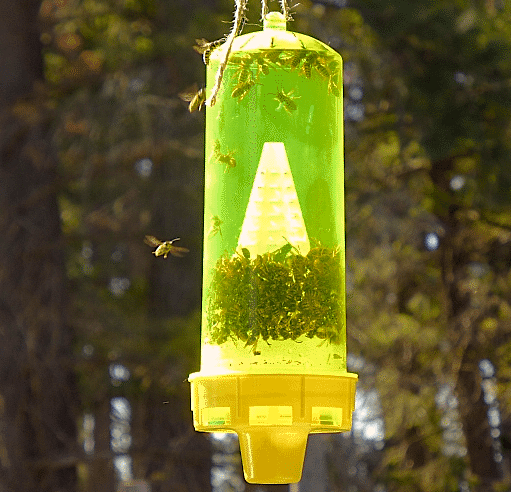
x: 279, y: 295
x: 249, y: 66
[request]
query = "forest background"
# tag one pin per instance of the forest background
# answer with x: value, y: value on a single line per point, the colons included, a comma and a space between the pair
x: 97, y: 150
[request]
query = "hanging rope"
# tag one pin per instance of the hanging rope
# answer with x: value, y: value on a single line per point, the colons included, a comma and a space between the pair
x: 264, y: 9
x: 285, y: 9
x: 239, y: 20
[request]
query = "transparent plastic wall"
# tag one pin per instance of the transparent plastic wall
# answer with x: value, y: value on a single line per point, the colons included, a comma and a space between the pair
x: 273, y: 289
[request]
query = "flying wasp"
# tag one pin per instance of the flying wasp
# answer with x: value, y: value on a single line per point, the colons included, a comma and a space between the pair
x: 163, y: 248
x: 227, y: 159
x: 286, y: 100
x: 205, y: 48
x: 196, y: 97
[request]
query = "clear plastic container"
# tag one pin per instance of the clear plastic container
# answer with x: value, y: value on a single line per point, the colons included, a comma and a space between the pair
x: 273, y: 347
x: 273, y: 291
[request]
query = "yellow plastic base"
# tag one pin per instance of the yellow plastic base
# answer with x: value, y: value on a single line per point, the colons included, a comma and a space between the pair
x: 273, y: 414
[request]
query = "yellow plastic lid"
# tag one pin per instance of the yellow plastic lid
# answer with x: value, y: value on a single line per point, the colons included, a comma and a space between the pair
x: 273, y: 414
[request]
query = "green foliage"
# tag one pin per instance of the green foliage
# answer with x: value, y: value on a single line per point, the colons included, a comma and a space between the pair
x: 279, y: 295
x: 456, y: 61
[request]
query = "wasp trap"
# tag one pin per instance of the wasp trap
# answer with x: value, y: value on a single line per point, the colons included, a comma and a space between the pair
x: 273, y: 350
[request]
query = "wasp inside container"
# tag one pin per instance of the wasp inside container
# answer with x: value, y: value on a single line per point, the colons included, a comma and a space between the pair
x: 273, y: 292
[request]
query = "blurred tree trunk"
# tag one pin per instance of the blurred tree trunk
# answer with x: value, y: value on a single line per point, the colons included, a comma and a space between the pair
x: 505, y: 442
x: 474, y: 417
x: 101, y: 477
x: 20, y: 61
x: 37, y: 388
x: 465, y: 313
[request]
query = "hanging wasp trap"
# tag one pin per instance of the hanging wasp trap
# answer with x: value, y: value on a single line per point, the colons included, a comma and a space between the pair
x: 273, y: 350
